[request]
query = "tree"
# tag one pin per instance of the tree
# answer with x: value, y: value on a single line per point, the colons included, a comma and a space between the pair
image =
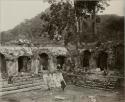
x: 69, y: 20
x: 86, y: 8
x: 64, y: 17
x: 60, y: 21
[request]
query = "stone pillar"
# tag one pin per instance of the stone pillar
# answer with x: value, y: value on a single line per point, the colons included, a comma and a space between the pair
x: 16, y: 66
x: 92, y: 62
x: 0, y: 78
x: 12, y: 67
x: 52, y: 64
x: 35, y: 65
x: 0, y: 66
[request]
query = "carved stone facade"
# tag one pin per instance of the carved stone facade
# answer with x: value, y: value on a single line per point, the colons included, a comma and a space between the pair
x: 17, y: 60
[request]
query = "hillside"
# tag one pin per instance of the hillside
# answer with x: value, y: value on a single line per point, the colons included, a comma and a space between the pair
x: 111, y: 27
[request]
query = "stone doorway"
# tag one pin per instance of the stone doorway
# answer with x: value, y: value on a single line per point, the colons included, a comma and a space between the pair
x: 85, y: 58
x: 24, y: 64
x: 119, y: 57
x: 44, y: 61
x: 60, y: 61
x: 102, y: 60
x: 3, y: 68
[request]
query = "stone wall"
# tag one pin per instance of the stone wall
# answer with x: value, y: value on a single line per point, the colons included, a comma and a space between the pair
x: 92, y: 80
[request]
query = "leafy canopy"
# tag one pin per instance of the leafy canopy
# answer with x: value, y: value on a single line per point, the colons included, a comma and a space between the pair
x: 61, y: 21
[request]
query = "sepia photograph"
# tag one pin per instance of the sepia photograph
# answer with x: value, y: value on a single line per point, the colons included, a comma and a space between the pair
x: 62, y: 51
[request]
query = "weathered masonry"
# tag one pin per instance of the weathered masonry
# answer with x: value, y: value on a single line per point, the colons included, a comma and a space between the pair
x: 14, y: 60
x: 22, y: 67
x: 101, y: 67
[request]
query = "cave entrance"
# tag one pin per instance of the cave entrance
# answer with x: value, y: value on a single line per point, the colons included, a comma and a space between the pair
x: 102, y: 60
x: 3, y: 64
x: 24, y: 64
x: 44, y: 60
x: 86, y: 58
x: 60, y: 62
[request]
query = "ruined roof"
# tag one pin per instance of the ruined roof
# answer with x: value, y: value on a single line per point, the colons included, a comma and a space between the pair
x: 96, y: 47
x: 14, y: 52
x: 54, y: 50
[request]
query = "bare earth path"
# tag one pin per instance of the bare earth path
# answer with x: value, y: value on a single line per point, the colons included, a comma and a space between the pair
x: 71, y: 94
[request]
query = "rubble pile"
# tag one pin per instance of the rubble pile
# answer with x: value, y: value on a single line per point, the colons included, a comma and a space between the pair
x: 92, y: 80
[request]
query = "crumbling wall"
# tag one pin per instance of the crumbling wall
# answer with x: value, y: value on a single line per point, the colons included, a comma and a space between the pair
x: 91, y: 80
x: 12, y: 67
x: 52, y: 64
x: 35, y: 65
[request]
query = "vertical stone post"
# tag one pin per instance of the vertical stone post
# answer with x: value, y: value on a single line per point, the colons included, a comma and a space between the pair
x: 12, y: 67
x: 0, y: 65
x: 35, y: 66
x: 16, y: 67
x: 52, y: 64
x: 0, y: 77
x: 92, y: 61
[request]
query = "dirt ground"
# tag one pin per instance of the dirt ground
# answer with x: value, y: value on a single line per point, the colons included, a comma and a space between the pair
x: 71, y: 94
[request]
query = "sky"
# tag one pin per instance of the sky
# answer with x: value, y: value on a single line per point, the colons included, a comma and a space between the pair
x: 13, y: 12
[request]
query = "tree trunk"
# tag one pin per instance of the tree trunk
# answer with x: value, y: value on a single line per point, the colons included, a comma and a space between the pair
x: 94, y: 29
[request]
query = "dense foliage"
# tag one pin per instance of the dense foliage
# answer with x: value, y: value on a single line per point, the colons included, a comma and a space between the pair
x: 59, y: 23
x: 104, y: 31
x: 71, y: 21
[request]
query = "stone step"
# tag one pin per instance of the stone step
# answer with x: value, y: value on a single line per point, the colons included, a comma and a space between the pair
x: 96, y: 86
x: 16, y: 87
x: 20, y: 77
x: 1, y: 80
x: 22, y: 83
x: 5, y: 83
x: 100, y: 88
x: 24, y: 78
x: 23, y: 89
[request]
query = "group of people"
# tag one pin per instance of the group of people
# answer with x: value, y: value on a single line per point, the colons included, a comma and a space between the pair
x: 51, y: 79
x: 54, y: 80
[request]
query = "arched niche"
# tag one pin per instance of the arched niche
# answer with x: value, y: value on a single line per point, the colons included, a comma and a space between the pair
x: 3, y: 68
x: 85, y: 58
x: 60, y: 61
x: 24, y: 64
x: 119, y: 57
x: 102, y: 60
x: 44, y: 60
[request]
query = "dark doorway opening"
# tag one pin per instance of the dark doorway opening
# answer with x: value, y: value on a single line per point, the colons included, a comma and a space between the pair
x: 44, y: 60
x: 3, y: 64
x: 24, y: 63
x: 86, y: 57
x: 119, y: 57
x: 60, y: 62
x: 102, y: 60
